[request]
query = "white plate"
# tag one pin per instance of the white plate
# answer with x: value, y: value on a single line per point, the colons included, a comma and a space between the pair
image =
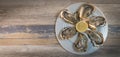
x: 68, y: 44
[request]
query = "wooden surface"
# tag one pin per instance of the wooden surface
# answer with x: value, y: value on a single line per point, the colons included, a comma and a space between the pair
x: 27, y: 28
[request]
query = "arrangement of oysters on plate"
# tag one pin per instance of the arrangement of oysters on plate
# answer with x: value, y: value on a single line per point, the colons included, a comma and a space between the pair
x: 81, y: 28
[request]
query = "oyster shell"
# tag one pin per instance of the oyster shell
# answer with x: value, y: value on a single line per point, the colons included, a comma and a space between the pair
x: 80, y: 44
x: 67, y: 33
x: 95, y: 37
x: 97, y: 21
x: 92, y: 27
x: 68, y: 17
x: 85, y: 10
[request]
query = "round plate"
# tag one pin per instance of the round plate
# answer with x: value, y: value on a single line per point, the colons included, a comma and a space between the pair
x: 68, y: 44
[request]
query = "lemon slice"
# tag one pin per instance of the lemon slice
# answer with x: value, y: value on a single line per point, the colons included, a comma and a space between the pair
x: 81, y: 26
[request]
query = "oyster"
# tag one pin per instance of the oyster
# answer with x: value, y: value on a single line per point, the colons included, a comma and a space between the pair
x: 97, y: 21
x: 80, y: 44
x: 85, y: 10
x: 96, y: 37
x: 68, y: 17
x: 67, y: 32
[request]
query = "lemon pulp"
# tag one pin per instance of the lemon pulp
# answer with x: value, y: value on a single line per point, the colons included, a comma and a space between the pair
x: 81, y: 26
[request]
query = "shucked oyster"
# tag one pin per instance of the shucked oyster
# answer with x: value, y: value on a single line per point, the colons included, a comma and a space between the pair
x: 85, y: 10
x: 80, y: 44
x: 67, y: 32
x: 97, y: 21
x: 96, y: 37
x: 68, y: 17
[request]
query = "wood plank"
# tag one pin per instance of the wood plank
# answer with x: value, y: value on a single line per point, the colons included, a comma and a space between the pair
x: 27, y: 42
x: 30, y: 14
x: 34, y: 2
x: 53, y: 51
x: 42, y: 31
x: 17, y: 34
x: 32, y: 31
x: 49, y: 41
x: 23, y: 35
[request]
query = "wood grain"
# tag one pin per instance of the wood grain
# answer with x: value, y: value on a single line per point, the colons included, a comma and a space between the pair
x: 28, y: 14
x: 8, y: 42
x: 27, y: 28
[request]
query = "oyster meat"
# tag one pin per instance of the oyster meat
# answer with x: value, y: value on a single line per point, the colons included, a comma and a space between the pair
x: 80, y: 44
x: 67, y: 32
